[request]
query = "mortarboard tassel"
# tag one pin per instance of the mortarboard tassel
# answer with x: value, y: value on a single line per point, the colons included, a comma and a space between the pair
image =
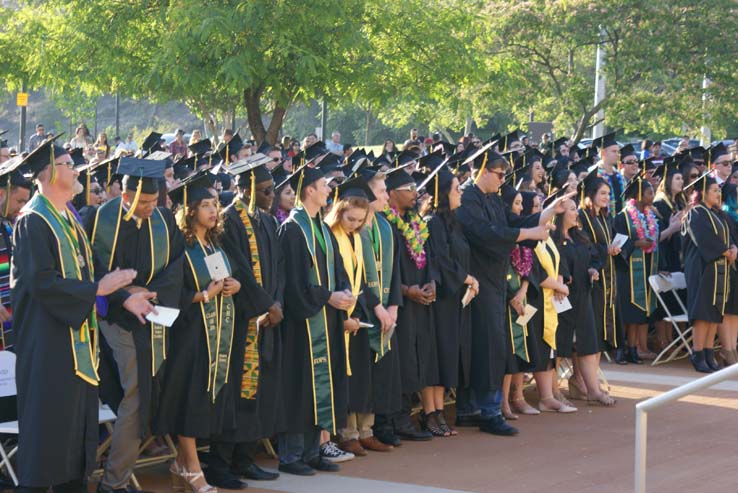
x: 481, y: 170
x: 8, y: 186
x: 435, y: 195
x: 136, y: 197
x: 52, y: 179
x: 335, y: 196
x: 252, y: 199
x: 107, y: 181
x: 184, y: 199
x: 228, y: 155
x: 87, y: 189
x: 299, y: 187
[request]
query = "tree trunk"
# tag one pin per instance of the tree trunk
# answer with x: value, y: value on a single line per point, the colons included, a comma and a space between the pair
x: 469, y: 125
x: 211, y: 127
x: 252, y: 101
x: 272, y: 133
x: 584, y: 122
x: 368, y: 126
x: 447, y: 135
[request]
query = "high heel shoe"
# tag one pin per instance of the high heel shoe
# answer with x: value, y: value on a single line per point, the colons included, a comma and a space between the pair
x: 710, y: 359
x: 633, y: 356
x: 175, y: 474
x: 698, y: 361
x: 195, y: 482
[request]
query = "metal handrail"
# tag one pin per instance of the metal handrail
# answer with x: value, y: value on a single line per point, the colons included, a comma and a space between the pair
x: 642, y: 409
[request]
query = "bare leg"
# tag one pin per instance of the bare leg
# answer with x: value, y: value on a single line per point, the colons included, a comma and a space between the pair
x: 591, y: 378
x: 438, y: 393
x: 426, y: 397
x: 506, y: 411
x: 699, y: 334
x: 710, y: 336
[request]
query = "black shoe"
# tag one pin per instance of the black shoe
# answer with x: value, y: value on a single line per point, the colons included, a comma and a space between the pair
x: 710, y: 359
x: 223, y: 479
x: 411, y: 434
x: 468, y: 420
x: 256, y: 473
x: 388, y: 438
x: 633, y: 356
x: 698, y: 361
x: 298, y: 468
x: 620, y: 356
x: 320, y: 464
x: 127, y: 489
x: 498, y: 426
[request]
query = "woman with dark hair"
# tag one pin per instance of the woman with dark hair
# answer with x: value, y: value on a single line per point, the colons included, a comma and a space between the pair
x: 197, y: 399
x: 578, y: 337
x: 455, y: 290
x: 102, y: 146
x: 669, y: 207
x: 708, y: 256
x: 638, y: 260
x: 283, y: 203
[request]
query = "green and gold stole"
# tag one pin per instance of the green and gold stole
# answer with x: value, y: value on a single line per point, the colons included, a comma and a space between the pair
x: 317, y: 325
x: 518, y: 333
x: 640, y: 290
x: 377, y: 246
x: 104, y: 242
x: 74, y: 253
x: 353, y: 262
x: 551, y: 266
x: 250, y: 378
x: 608, y: 282
x: 217, y: 318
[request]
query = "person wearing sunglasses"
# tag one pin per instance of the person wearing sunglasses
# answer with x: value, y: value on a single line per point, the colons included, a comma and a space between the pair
x: 722, y: 163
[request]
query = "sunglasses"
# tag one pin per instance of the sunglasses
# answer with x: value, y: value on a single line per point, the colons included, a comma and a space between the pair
x: 630, y: 161
x: 412, y: 187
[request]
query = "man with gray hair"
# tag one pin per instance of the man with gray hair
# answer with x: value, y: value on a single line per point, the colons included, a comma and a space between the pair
x: 334, y: 145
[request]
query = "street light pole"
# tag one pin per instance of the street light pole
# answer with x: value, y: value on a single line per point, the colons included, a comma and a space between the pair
x: 599, y: 128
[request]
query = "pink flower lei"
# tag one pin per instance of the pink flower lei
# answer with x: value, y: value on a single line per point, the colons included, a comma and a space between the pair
x: 637, y: 218
x: 521, y: 259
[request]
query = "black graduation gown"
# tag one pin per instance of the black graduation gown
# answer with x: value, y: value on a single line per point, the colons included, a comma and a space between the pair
x: 731, y: 306
x: 133, y: 251
x: 670, y: 256
x: 491, y: 230
x: 302, y: 300
x: 598, y: 230
x: 451, y: 256
x: 630, y: 313
x: 539, y: 352
x: 386, y: 377
x: 702, y: 248
x: 57, y: 411
x: 415, y: 330
x: 579, y: 322
x: 186, y: 407
x: 256, y: 418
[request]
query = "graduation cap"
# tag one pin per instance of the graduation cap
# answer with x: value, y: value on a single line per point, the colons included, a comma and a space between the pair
x: 558, y: 193
x: 160, y: 156
x: 330, y: 163
x: 634, y: 188
x: 185, y: 167
x: 696, y: 153
x: 41, y: 157
x: 380, y: 161
x: 249, y: 172
x: 397, y: 177
x: 558, y: 143
x: 508, y: 193
x: 715, y: 152
x: 702, y: 183
x: 3, y: 142
x: 226, y: 151
x: 606, y: 140
x: 669, y: 166
x: 442, y: 178
x: 355, y: 187
x: 105, y: 172
x: 11, y: 177
x: 265, y: 147
x: 405, y: 157
x: 482, y: 157
x: 78, y: 156
x: 201, y: 147
x: 508, y: 139
x: 627, y: 150
x: 141, y: 175
x: 151, y: 142
x: 196, y: 187
x: 301, y: 178
x: 447, y: 148
x: 588, y: 183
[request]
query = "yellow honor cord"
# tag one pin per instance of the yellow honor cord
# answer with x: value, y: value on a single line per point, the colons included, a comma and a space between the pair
x: 132, y: 209
x: 481, y: 169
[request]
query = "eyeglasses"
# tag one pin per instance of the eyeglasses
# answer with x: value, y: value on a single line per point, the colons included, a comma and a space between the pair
x: 630, y: 161
x: 693, y: 177
x: 411, y: 187
x: 500, y: 174
x: 276, y: 159
x: 95, y: 191
x: 265, y: 191
x: 69, y: 164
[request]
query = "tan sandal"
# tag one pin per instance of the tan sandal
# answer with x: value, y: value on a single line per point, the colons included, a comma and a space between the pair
x: 521, y: 406
x: 575, y: 392
x: 604, y: 400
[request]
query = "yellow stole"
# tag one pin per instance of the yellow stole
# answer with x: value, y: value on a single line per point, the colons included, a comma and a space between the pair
x: 353, y: 263
x: 551, y: 266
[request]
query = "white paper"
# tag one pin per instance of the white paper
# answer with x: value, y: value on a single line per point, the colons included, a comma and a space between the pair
x: 467, y: 297
x: 563, y: 305
x: 216, y: 266
x: 166, y: 316
x: 365, y: 325
x: 528, y: 312
x: 619, y: 240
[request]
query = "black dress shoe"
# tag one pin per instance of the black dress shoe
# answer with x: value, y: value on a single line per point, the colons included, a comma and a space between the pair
x: 298, y: 468
x: 411, y: 434
x: 321, y: 464
x: 388, y: 438
x: 633, y: 356
x: 698, y: 361
x: 223, y: 479
x: 498, y: 426
x: 620, y: 356
x: 710, y: 359
x: 468, y: 420
x: 256, y: 473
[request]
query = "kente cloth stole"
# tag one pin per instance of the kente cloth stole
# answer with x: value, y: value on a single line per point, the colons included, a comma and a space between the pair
x: 104, y: 242
x: 317, y: 325
x: 74, y: 254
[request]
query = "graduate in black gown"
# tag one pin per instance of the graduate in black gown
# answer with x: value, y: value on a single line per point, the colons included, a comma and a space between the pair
x: 451, y: 310
x: 669, y: 205
x: 638, y: 259
x: 130, y: 231
x: 415, y: 327
x: 708, y: 254
x: 316, y: 296
x: 578, y: 336
x: 492, y: 232
x: 53, y: 300
x: 196, y: 399
x: 728, y: 330
x: 250, y: 238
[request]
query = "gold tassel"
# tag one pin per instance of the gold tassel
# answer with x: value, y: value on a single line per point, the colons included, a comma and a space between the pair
x: 52, y: 179
x: 252, y: 199
x: 107, y: 181
x: 299, y: 187
x: 87, y: 189
x: 184, y: 198
x: 484, y: 164
x: 435, y: 195
x: 228, y: 153
x: 132, y: 209
x: 8, y: 186
x: 335, y: 196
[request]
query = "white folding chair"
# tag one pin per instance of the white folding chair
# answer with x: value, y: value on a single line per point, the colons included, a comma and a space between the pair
x: 660, y: 285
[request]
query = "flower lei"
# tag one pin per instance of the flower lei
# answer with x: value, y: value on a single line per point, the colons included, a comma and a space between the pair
x: 638, y: 218
x: 521, y: 259
x: 608, y: 178
x: 281, y: 215
x: 415, y: 233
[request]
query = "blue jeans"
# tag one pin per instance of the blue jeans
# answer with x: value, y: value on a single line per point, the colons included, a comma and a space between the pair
x: 299, y: 446
x: 470, y: 402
